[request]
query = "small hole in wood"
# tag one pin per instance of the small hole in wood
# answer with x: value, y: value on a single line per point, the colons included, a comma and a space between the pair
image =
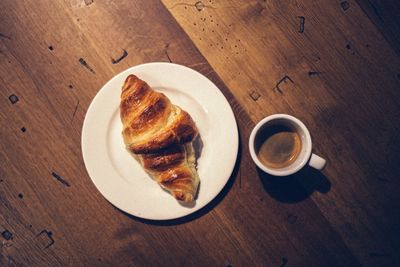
x: 345, y: 5
x: 7, y: 235
x: 13, y: 99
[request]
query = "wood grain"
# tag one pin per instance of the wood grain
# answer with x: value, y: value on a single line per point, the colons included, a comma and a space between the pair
x: 342, y: 81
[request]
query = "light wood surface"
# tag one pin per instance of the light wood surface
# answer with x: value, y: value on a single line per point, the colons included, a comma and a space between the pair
x: 333, y: 64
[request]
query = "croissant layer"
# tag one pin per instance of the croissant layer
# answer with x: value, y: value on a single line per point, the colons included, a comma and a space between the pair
x: 160, y: 135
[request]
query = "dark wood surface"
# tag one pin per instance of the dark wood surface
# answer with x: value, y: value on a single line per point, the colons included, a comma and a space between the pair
x: 333, y: 64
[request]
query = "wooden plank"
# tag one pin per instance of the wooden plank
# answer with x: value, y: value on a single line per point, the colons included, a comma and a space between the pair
x: 333, y: 69
x: 55, y: 57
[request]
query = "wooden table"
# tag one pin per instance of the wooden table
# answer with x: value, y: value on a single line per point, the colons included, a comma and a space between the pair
x: 333, y: 64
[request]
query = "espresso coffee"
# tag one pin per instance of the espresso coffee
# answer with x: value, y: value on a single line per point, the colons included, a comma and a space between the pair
x: 279, y: 146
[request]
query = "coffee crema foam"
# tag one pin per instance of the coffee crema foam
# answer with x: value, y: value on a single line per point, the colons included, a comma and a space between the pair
x: 280, y: 146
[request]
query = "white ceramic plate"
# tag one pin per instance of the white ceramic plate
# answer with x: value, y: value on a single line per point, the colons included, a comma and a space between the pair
x: 116, y: 173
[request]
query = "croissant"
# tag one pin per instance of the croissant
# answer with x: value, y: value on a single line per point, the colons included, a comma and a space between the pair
x: 160, y: 136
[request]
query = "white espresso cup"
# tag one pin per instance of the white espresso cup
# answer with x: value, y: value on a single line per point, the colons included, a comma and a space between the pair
x: 305, y: 155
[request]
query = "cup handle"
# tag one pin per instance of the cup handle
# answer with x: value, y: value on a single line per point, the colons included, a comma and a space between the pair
x: 317, y: 162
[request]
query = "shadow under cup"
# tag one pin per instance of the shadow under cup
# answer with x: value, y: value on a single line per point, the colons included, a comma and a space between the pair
x: 266, y: 127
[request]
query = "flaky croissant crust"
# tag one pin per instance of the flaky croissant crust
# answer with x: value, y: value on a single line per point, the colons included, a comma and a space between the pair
x: 160, y: 135
x: 150, y: 121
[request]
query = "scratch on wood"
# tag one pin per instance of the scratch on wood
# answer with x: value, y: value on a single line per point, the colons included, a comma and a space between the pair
x: 197, y: 64
x: 60, y: 179
x: 302, y: 22
x: 283, y: 80
x: 208, y: 73
x: 313, y: 73
x: 345, y: 5
x: 166, y: 52
x: 201, y: 6
x: 2, y: 35
x: 277, y: 89
x: 116, y: 61
x: 49, y: 235
x: 254, y: 95
x: 76, y: 108
x: 86, y: 65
